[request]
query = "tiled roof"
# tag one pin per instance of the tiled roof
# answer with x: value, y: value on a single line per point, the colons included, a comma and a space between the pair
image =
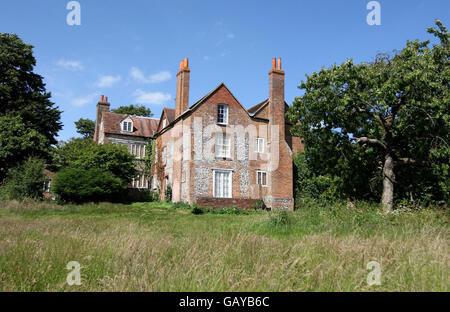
x: 170, y: 114
x: 142, y: 126
x: 252, y: 110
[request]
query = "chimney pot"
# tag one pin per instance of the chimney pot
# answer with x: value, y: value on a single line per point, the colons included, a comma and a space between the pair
x: 279, y: 64
x: 274, y: 61
x: 106, y: 99
x: 101, y: 98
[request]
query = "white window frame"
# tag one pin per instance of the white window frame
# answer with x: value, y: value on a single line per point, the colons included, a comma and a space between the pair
x: 259, y: 145
x: 47, y: 186
x: 222, y: 109
x: 230, y: 183
x: 127, y: 126
x: 164, y: 123
x: 222, y: 145
x: 259, y: 177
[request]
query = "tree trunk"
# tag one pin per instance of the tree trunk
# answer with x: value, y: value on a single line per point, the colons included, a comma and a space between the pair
x: 387, y: 199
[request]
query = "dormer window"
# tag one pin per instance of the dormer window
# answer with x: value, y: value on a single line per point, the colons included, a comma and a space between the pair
x: 222, y: 114
x: 127, y: 125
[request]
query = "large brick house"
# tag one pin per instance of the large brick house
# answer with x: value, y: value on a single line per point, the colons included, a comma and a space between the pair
x: 214, y: 152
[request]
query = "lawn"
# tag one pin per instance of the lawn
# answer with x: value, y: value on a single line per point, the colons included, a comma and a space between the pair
x: 159, y: 247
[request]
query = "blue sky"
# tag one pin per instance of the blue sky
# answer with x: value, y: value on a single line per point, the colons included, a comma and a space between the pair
x: 130, y: 50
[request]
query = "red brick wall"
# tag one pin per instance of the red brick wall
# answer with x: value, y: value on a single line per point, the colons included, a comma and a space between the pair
x: 237, y: 116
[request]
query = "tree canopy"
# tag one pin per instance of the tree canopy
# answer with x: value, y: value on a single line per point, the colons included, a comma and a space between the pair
x: 85, y: 127
x: 137, y: 110
x: 396, y: 110
x: 29, y: 120
x: 87, y: 154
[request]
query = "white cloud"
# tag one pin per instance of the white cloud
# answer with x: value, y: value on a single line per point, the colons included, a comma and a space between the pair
x: 230, y: 36
x: 107, y: 81
x: 81, y: 101
x: 156, y: 98
x: 70, y: 65
x: 160, y: 77
x: 139, y: 76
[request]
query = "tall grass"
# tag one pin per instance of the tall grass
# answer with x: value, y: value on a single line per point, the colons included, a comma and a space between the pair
x: 158, y: 247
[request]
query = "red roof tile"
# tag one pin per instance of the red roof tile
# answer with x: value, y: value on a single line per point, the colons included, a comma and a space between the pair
x: 142, y: 126
x: 170, y: 114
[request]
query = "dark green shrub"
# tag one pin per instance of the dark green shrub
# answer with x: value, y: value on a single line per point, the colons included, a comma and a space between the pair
x: 197, y: 210
x: 25, y: 181
x: 81, y: 185
x: 87, y: 154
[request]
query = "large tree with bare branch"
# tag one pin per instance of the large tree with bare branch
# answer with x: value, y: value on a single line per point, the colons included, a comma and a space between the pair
x: 397, y: 105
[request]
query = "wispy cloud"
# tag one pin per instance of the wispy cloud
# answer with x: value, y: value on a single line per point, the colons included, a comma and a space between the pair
x: 139, y: 76
x: 81, y: 101
x: 108, y: 81
x: 224, y: 34
x: 155, y: 98
x: 70, y: 65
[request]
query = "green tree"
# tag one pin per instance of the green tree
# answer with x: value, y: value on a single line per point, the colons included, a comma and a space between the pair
x: 87, y: 154
x: 27, y: 180
x: 137, y: 110
x: 85, y: 127
x: 83, y: 185
x: 24, y: 105
x: 396, y: 107
x: 17, y: 142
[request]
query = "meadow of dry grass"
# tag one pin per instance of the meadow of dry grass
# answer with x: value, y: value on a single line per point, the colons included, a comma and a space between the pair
x: 155, y: 247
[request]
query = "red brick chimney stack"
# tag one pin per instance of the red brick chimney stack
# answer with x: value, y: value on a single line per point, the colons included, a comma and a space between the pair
x: 281, y: 186
x: 276, y: 97
x: 102, y: 106
x: 182, y: 97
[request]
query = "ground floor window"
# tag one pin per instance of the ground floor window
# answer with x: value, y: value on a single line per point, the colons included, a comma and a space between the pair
x: 140, y: 182
x: 222, y: 183
x: 261, y: 178
x: 137, y: 150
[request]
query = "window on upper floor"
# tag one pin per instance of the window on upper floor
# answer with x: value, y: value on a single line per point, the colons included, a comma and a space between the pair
x: 222, y: 114
x: 164, y: 123
x: 127, y: 125
x: 259, y: 145
x: 222, y: 145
